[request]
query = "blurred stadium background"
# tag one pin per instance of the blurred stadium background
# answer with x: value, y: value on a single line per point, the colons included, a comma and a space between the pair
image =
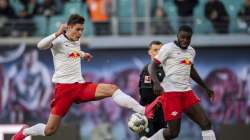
x: 117, y: 32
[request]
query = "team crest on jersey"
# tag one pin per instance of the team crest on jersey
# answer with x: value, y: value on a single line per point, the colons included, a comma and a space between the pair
x: 186, y: 61
x: 147, y: 79
x: 74, y: 55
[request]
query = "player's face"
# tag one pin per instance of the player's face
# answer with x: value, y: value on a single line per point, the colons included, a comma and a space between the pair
x: 75, y: 31
x: 154, y: 49
x: 184, y: 39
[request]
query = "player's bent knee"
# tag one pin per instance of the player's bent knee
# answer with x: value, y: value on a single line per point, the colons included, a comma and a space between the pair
x: 113, y: 88
x: 50, y: 131
x: 108, y: 90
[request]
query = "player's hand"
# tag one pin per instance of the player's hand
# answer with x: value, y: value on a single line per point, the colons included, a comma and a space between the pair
x: 62, y: 29
x: 210, y: 94
x: 87, y: 57
x: 157, y: 89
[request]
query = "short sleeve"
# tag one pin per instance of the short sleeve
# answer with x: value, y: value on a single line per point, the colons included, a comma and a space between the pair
x: 57, y: 43
x: 163, y: 53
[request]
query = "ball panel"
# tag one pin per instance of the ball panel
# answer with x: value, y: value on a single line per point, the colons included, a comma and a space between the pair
x: 137, y: 123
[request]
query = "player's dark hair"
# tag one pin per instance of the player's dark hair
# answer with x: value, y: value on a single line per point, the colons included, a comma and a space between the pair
x: 155, y: 42
x: 186, y: 28
x: 75, y: 19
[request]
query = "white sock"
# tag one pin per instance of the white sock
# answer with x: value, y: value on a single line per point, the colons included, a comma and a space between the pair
x: 158, y: 135
x: 124, y: 100
x: 36, y: 130
x: 208, y: 135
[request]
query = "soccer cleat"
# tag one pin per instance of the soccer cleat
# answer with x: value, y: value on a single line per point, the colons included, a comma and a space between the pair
x: 19, y: 135
x: 151, y: 108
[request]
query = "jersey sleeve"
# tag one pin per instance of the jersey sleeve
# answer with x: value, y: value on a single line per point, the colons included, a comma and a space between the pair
x: 57, y: 42
x: 163, y: 53
x: 46, y: 42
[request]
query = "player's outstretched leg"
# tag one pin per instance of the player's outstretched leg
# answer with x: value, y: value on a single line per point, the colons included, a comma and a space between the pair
x: 119, y: 97
x: 39, y: 129
x: 197, y: 114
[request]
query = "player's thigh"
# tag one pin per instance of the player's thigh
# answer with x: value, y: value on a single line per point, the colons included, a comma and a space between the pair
x: 171, y: 106
x: 105, y: 90
x: 198, y: 115
x: 52, y: 124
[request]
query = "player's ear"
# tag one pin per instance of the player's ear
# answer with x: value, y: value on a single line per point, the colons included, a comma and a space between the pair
x: 70, y: 26
x: 149, y: 53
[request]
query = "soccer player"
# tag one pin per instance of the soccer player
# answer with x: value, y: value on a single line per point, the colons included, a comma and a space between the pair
x: 175, y: 89
x: 147, y: 94
x: 70, y: 86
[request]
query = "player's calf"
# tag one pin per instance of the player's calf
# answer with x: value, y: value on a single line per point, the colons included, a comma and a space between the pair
x: 50, y: 130
x: 206, y: 125
x: 170, y: 133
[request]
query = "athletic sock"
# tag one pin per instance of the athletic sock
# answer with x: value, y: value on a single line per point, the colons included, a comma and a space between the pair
x: 36, y: 130
x: 124, y: 100
x: 208, y: 135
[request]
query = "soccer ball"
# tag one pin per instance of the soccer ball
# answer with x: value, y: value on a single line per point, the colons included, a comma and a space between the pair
x: 137, y: 123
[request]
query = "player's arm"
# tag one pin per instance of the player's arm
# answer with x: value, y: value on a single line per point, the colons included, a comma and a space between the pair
x: 153, y: 66
x: 86, y: 56
x: 46, y: 42
x: 196, y: 77
x: 152, y: 69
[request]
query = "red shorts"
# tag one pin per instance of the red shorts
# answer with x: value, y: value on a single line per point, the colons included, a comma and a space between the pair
x: 67, y: 94
x: 174, y: 103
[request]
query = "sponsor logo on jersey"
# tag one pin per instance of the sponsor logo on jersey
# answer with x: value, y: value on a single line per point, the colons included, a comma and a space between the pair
x: 147, y: 79
x: 186, y: 61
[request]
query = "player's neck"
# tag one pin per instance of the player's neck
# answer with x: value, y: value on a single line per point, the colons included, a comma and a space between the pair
x: 67, y: 36
x: 178, y: 44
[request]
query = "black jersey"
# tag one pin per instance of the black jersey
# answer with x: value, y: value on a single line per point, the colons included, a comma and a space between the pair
x: 147, y: 96
x: 146, y: 85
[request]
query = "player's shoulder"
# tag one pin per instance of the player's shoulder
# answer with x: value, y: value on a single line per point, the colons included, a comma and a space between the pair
x: 191, y: 49
x: 59, y: 40
x: 168, y: 46
x: 145, y: 68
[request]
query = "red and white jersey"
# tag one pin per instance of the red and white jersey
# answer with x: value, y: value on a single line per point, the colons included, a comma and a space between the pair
x: 176, y: 63
x: 67, y: 60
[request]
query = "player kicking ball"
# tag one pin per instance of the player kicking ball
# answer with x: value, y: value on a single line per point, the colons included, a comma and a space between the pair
x: 70, y: 86
x: 175, y: 89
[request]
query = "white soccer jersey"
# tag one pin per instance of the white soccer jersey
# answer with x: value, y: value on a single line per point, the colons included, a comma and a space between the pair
x: 177, y: 66
x: 67, y: 61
